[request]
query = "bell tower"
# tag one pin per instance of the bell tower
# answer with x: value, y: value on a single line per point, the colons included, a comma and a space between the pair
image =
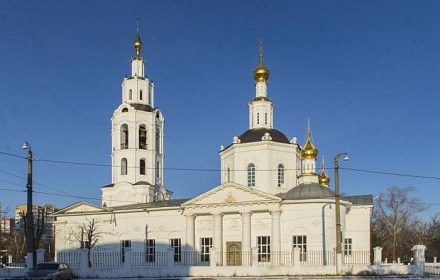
x: 137, y: 141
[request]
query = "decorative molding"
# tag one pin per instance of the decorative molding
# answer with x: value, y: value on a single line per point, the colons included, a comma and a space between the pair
x: 230, y: 198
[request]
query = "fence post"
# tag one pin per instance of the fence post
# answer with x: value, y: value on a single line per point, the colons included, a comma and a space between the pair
x: 84, y: 262
x: 170, y: 258
x: 255, y: 256
x: 127, y: 257
x: 419, y: 259
x: 435, y: 259
x: 213, y: 257
x: 377, y: 251
x: 296, y: 253
x: 40, y: 255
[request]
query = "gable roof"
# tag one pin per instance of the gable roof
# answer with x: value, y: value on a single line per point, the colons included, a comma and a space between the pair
x: 80, y: 207
x: 228, y: 193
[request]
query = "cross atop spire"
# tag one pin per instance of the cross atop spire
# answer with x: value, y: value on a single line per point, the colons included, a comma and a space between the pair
x: 137, y: 41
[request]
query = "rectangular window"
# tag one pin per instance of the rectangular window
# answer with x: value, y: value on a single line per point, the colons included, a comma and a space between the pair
x: 124, y: 244
x: 251, y: 175
x: 263, y: 244
x: 84, y: 244
x: 348, y: 246
x: 150, y: 250
x: 176, y: 245
x: 280, y: 175
x: 300, y: 241
x: 205, y: 246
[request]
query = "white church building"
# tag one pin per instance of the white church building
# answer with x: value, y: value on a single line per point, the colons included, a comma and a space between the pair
x: 272, y: 214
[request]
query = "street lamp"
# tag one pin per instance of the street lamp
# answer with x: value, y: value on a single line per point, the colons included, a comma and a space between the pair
x: 30, y: 250
x: 338, y: 215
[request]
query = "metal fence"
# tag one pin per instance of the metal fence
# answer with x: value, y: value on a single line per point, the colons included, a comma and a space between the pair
x: 106, y: 259
x: 357, y: 257
x: 235, y: 258
x: 72, y: 258
x: 141, y: 259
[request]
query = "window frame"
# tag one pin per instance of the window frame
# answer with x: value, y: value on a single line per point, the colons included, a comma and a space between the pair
x: 348, y: 246
x: 150, y: 250
x: 300, y: 241
x: 124, y: 166
x: 205, y: 248
x: 176, y: 246
x: 124, y: 244
x: 263, y: 245
x: 251, y: 174
x: 142, y: 167
x: 280, y: 175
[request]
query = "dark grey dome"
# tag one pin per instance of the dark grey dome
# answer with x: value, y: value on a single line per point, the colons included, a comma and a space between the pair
x: 256, y: 134
x: 308, y: 191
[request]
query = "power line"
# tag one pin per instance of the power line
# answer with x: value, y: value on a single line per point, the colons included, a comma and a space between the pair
x: 220, y: 170
x: 391, y: 173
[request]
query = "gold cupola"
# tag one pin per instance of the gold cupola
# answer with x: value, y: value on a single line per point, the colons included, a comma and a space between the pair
x: 138, y: 43
x: 309, y: 151
x: 261, y: 73
x: 324, y: 180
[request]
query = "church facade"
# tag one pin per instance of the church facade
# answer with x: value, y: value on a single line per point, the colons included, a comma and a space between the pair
x: 271, y: 200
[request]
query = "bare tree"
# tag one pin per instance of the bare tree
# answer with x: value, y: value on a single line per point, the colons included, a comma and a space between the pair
x: 88, y: 235
x: 394, y: 214
x: 15, y: 244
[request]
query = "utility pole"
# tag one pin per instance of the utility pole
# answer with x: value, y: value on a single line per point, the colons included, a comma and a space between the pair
x: 30, y: 250
x: 338, y: 215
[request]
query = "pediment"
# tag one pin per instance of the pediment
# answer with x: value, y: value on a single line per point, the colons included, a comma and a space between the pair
x: 231, y: 193
x: 80, y: 207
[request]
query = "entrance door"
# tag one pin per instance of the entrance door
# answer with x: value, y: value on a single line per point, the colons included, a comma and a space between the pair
x: 233, y: 253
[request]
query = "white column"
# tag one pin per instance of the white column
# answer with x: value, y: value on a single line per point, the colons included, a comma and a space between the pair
x: 276, y: 240
x: 276, y: 231
x: 377, y: 255
x: 40, y: 255
x: 190, y: 233
x: 246, y: 231
x: 419, y: 259
x: 218, y: 232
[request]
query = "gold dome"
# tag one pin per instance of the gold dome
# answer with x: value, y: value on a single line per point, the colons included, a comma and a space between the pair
x: 324, y: 180
x: 261, y: 73
x: 138, y: 43
x: 309, y: 151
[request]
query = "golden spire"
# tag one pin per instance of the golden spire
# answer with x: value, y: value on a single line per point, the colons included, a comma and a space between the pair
x: 309, y: 151
x: 324, y: 180
x: 261, y: 73
x: 138, y: 42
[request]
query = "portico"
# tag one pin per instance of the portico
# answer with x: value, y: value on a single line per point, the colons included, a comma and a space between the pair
x: 247, y: 214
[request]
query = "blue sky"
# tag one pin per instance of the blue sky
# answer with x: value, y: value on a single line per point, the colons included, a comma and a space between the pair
x: 364, y: 72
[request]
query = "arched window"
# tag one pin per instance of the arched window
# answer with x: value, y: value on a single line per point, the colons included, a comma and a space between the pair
x: 124, y: 136
x: 140, y: 94
x: 158, y: 171
x: 124, y: 110
x: 130, y: 94
x: 142, y: 167
x: 258, y: 118
x: 124, y: 166
x: 280, y: 175
x: 251, y: 175
x: 265, y: 118
x: 157, y: 141
x: 228, y: 175
x: 142, y: 137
